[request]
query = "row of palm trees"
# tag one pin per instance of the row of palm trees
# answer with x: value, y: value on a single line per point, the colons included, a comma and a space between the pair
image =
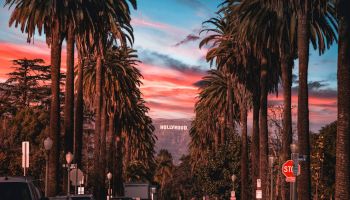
x: 105, y: 77
x: 253, y: 45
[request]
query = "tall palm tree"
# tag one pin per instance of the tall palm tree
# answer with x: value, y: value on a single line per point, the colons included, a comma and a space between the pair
x: 164, y: 169
x: 35, y: 16
x: 234, y: 58
x: 124, y: 109
x: 342, y: 176
x: 79, y: 110
x: 279, y: 35
x: 69, y: 90
x: 213, y: 103
x: 306, y: 12
x: 112, y: 24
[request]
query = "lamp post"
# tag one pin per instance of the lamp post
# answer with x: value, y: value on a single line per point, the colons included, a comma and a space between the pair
x: 109, y: 177
x: 153, y: 191
x: 233, y: 193
x: 295, y: 158
x: 271, y: 161
x: 47, y: 145
x: 69, y: 159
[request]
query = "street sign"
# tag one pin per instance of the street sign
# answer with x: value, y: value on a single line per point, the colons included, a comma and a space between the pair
x: 258, y: 194
x: 76, y: 176
x: 25, y: 154
x: 80, y: 190
x: 287, y: 170
x: 258, y: 183
x: 233, y: 195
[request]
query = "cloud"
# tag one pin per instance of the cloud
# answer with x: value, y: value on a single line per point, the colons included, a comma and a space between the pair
x: 189, y: 38
x: 295, y: 79
x: 169, y: 91
x: 155, y: 58
x: 200, y: 84
x: 9, y: 52
x: 316, y: 85
x: 147, y: 23
x: 194, y: 4
x: 318, y: 89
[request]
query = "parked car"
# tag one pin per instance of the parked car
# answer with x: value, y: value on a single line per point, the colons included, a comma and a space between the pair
x: 74, y: 197
x: 19, y: 188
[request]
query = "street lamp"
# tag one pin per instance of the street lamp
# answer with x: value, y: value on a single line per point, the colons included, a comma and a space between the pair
x: 69, y: 159
x: 233, y: 178
x: 271, y: 161
x: 233, y: 193
x: 47, y: 145
x: 153, y: 191
x: 109, y: 177
x: 295, y: 158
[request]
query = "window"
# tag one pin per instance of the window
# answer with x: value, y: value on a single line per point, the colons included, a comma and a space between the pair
x: 14, y: 191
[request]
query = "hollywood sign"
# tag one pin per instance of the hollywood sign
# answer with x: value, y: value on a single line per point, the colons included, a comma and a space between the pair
x: 172, y: 127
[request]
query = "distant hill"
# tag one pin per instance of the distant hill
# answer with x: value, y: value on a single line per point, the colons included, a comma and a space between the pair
x: 173, y: 135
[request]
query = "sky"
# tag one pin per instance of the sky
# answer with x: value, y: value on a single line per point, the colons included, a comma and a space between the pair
x: 167, y: 38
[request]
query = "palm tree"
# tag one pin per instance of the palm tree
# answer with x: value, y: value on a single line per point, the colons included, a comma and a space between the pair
x: 164, y: 169
x: 279, y: 35
x: 37, y: 16
x: 69, y: 91
x: 307, y: 11
x: 234, y: 58
x: 79, y: 110
x: 112, y: 24
x: 213, y: 103
x: 125, y: 109
x: 238, y: 56
x: 342, y: 176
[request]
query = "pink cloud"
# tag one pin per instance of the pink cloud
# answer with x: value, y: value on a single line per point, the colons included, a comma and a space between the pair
x: 9, y: 52
x: 168, y: 92
x: 147, y: 23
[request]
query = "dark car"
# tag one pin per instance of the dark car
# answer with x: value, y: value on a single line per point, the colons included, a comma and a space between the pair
x: 19, y: 188
x: 121, y: 198
x: 73, y: 197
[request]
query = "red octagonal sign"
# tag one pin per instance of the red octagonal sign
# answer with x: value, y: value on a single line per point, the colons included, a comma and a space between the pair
x: 287, y: 170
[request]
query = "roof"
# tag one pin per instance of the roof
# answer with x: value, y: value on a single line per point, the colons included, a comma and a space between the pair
x: 21, y: 179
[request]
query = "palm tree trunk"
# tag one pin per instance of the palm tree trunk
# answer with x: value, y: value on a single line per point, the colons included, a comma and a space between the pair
x: 103, y: 142
x: 69, y: 93
x: 244, y: 155
x: 287, y: 137
x: 342, y: 175
x: 304, y: 181
x: 127, y: 151
x: 54, y: 165
x: 119, y: 166
x: 230, y: 103
x: 255, y: 139
x: 263, y: 137
x: 216, y: 137
x: 97, y: 140
x: 110, y: 143
x: 222, y: 135
x: 79, y: 112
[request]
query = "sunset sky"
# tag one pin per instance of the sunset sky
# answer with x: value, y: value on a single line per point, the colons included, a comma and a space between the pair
x: 167, y: 38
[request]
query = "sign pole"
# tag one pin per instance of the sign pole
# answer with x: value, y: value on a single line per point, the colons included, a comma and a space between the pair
x: 76, y: 179
x: 258, y: 189
x: 25, y: 156
x: 25, y: 159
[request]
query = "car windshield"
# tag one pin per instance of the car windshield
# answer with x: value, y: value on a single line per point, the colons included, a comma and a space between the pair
x: 14, y: 191
x: 81, y: 198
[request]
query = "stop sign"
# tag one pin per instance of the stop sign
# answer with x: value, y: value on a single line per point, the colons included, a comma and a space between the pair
x: 287, y: 170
